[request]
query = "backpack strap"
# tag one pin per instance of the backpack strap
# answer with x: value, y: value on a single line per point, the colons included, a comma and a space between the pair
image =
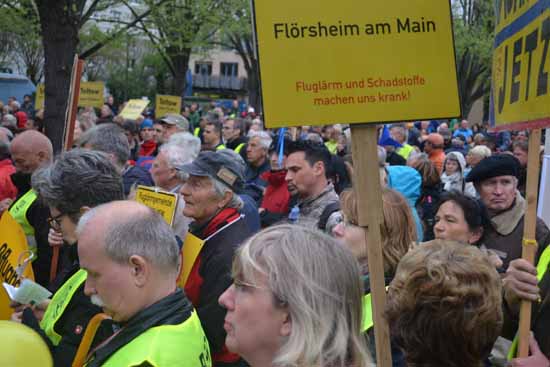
x: 327, y: 212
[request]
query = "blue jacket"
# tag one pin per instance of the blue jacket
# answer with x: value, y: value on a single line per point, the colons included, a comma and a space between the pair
x: 408, y: 182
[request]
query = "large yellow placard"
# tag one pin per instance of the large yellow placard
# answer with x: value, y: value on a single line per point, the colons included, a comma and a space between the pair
x: 167, y: 104
x: 40, y: 96
x: 13, y: 248
x: 91, y: 94
x: 355, y: 61
x: 521, y: 66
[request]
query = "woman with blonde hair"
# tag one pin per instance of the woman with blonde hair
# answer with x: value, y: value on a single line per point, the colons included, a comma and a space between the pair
x: 398, y: 234
x: 295, y: 301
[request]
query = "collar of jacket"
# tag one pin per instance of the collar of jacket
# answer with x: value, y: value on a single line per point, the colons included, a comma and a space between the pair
x: 275, y: 178
x: 171, y: 310
x: 219, y: 220
x: 308, y: 201
x: 506, y: 221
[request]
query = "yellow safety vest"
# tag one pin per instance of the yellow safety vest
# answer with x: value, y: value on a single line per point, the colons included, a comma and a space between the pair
x: 239, y: 147
x: 197, y: 131
x: 19, y: 212
x: 183, y: 345
x: 59, y: 303
x: 220, y: 147
x: 405, y: 151
x: 542, y: 267
x: 368, y: 322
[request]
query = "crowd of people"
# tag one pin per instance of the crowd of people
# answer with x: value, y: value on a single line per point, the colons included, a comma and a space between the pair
x: 282, y: 277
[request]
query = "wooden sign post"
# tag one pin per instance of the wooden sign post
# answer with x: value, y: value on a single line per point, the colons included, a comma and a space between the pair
x: 529, y: 246
x: 366, y: 184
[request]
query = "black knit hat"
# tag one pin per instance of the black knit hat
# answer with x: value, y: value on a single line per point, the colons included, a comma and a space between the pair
x: 493, y: 166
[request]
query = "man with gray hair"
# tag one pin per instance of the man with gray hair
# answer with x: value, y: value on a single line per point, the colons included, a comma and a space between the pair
x: 211, y: 199
x: 257, y: 152
x: 167, y: 177
x: 132, y: 260
x: 110, y: 138
x: 77, y: 181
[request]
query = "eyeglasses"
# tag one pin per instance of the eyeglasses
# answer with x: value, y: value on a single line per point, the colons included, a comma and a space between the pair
x: 55, y: 222
x: 241, y: 285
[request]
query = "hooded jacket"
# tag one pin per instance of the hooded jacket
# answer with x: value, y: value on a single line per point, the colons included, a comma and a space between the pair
x: 408, y: 182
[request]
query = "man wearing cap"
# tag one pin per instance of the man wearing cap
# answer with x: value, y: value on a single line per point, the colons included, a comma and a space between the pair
x: 173, y: 124
x: 495, y: 179
x: 211, y: 200
x: 433, y: 146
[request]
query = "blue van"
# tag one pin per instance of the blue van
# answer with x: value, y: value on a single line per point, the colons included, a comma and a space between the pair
x: 15, y: 85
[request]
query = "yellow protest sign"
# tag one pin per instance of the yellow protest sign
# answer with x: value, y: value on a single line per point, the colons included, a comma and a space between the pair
x: 91, y: 94
x: 520, y: 96
x: 355, y: 61
x: 40, y: 97
x: 134, y: 108
x: 192, y: 246
x: 13, y: 249
x: 163, y: 202
x: 167, y: 104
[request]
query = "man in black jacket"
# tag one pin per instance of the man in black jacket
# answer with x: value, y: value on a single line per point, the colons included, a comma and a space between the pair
x: 211, y: 200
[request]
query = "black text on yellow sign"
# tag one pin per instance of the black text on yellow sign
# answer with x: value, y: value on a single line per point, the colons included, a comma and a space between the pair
x: 521, y: 66
x: 344, y: 61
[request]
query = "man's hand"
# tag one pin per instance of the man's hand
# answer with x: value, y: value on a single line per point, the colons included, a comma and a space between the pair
x: 520, y: 283
x: 55, y: 238
x: 16, y: 316
x: 536, y: 359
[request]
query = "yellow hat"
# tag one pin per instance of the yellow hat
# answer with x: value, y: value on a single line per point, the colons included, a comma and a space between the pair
x: 22, y: 346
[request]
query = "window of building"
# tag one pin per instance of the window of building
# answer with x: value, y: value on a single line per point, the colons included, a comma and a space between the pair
x: 203, y: 68
x: 229, y: 69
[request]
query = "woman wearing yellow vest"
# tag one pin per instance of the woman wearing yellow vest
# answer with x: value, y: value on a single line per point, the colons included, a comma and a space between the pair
x: 398, y: 235
x: 77, y: 181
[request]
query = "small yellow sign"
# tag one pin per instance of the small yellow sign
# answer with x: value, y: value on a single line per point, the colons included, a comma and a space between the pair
x: 355, y: 61
x: 167, y: 104
x: 165, y: 203
x: 134, y: 108
x: 13, y: 250
x: 91, y: 94
x: 192, y: 246
x: 520, y: 96
x: 40, y: 97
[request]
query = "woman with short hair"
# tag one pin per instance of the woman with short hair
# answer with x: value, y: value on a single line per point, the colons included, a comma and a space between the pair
x: 296, y: 300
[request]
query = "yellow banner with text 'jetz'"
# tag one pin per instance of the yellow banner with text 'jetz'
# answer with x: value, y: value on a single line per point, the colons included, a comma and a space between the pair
x: 520, y: 95
x: 355, y: 61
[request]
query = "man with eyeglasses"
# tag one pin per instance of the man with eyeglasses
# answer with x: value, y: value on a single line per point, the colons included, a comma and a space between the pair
x: 77, y: 181
x: 30, y: 151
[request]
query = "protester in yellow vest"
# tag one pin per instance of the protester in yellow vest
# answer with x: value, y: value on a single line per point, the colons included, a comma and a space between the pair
x: 212, y: 136
x: 78, y: 180
x: 399, y: 134
x: 31, y: 150
x: 132, y: 259
x: 233, y: 133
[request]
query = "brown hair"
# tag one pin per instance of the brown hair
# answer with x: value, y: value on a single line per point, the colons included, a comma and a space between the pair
x: 428, y: 171
x: 444, y: 305
x: 398, y: 228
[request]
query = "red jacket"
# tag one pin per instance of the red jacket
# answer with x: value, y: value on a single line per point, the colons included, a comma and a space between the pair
x: 7, y: 188
x: 276, y: 195
x: 147, y: 148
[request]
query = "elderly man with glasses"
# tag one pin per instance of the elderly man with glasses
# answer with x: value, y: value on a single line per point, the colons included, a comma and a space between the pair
x: 77, y: 181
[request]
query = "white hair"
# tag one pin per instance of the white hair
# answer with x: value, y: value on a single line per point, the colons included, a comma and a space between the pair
x: 264, y: 137
x: 191, y: 143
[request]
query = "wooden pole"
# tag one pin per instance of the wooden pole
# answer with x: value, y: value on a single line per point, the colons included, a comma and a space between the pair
x: 529, y: 250
x: 68, y: 134
x: 369, y: 207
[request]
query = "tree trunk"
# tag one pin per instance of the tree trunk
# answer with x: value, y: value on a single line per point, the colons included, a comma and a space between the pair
x: 253, y: 85
x: 60, y: 40
x: 180, y: 61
